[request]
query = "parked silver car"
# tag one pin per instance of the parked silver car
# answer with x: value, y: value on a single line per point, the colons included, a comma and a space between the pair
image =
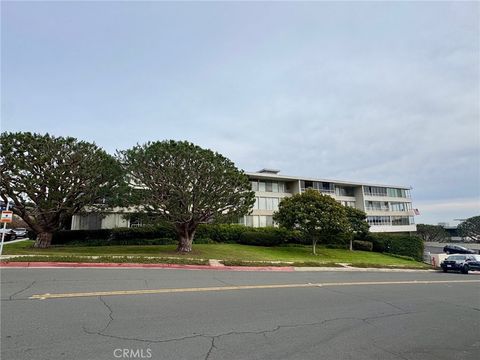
x: 21, y: 232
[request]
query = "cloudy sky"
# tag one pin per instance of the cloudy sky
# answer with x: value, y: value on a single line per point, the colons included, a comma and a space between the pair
x: 365, y: 91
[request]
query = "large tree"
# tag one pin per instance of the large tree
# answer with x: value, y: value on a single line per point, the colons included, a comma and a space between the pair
x: 470, y: 228
x: 357, y: 220
x: 315, y: 215
x: 48, y: 179
x: 187, y: 185
x: 432, y: 233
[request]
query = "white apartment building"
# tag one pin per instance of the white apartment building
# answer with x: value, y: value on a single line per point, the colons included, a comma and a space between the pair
x: 388, y: 207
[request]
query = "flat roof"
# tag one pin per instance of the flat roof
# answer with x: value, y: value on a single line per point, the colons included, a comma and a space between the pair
x: 270, y: 176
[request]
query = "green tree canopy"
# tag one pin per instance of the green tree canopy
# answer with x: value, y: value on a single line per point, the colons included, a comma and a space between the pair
x: 314, y: 214
x: 187, y: 185
x: 432, y: 233
x: 49, y: 179
x: 470, y: 228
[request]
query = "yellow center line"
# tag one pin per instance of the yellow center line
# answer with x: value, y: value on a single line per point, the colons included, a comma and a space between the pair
x: 241, y: 287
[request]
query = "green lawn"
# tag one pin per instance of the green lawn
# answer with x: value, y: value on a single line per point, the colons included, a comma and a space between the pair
x: 231, y: 253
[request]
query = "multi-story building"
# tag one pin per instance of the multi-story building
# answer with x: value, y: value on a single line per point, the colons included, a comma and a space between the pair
x: 388, y: 207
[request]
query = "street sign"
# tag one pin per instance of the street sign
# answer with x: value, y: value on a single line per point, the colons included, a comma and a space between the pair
x: 6, y: 217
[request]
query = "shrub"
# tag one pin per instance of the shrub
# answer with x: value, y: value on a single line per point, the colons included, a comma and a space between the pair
x: 148, y: 235
x: 362, y: 245
x: 397, y: 244
x: 125, y: 235
x: 339, y: 241
x: 261, y: 238
x: 65, y: 237
x: 222, y: 233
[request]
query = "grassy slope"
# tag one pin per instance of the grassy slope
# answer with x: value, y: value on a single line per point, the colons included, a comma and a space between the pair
x: 231, y: 252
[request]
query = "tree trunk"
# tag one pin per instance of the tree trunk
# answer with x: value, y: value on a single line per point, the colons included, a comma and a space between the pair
x: 351, y: 244
x: 185, y: 238
x: 314, y: 245
x: 44, y: 240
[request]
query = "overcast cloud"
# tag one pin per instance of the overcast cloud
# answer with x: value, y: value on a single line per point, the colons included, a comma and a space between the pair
x: 379, y: 92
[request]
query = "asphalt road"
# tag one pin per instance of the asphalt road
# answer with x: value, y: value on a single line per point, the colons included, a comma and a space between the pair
x: 438, y: 318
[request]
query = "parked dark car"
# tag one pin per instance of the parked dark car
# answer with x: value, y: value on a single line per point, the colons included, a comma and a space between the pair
x: 461, y: 262
x: 457, y: 249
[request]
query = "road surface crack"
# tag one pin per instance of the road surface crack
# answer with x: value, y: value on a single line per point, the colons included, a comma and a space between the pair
x: 212, y: 346
x: 110, y: 313
x: 369, y: 298
x: 213, y: 338
x: 20, y: 291
x: 223, y: 282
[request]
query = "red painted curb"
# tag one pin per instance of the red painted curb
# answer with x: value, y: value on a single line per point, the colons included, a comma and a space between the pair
x: 149, y: 266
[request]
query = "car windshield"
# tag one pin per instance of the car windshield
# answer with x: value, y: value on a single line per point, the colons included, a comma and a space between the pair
x: 456, y: 257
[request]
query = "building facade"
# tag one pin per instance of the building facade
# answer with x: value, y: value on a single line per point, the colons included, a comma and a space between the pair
x: 388, y: 207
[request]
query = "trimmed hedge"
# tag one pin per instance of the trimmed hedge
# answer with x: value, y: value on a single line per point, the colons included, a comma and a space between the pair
x: 404, y: 245
x: 164, y: 234
x: 222, y: 233
x: 148, y: 235
x: 269, y: 236
x: 65, y: 237
x: 362, y: 245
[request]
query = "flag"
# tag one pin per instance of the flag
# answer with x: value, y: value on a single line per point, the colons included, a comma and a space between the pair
x: 416, y: 211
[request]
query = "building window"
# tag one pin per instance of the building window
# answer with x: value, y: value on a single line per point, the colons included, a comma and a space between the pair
x: 269, y: 220
x: 275, y: 187
x: 344, y: 191
x: 90, y: 222
x: 136, y: 223
x: 374, y: 191
x: 261, y: 186
x: 376, y: 205
x: 401, y: 220
x: 401, y: 193
x: 266, y: 203
x: 378, y: 220
x: 400, y: 206
x: 268, y: 186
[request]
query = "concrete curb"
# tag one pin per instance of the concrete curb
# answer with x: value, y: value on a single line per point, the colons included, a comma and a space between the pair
x: 34, y: 265
x: 37, y: 265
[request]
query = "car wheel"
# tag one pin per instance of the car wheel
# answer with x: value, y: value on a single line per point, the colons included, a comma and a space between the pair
x: 465, y: 269
x: 444, y: 270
